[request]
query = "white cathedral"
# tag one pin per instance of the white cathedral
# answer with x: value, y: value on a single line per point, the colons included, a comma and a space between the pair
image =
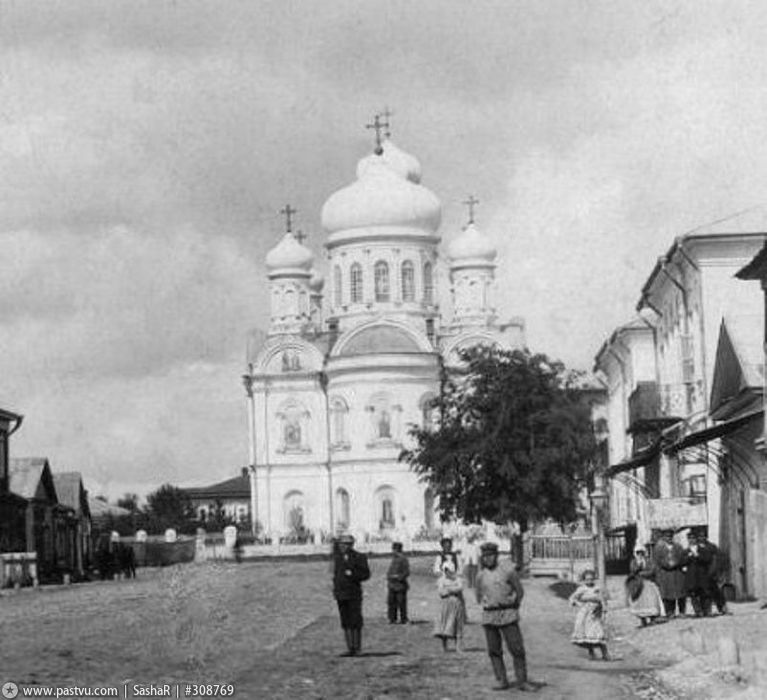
x: 344, y: 372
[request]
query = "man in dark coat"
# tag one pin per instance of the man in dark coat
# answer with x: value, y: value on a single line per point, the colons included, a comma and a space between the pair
x: 668, y: 556
x: 396, y: 578
x: 716, y: 571
x: 349, y: 571
x: 697, y: 561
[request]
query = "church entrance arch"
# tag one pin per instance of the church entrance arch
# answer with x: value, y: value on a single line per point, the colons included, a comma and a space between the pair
x: 294, y: 516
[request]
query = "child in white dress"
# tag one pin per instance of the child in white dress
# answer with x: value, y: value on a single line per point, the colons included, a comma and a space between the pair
x: 450, y: 620
x: 589, y: 627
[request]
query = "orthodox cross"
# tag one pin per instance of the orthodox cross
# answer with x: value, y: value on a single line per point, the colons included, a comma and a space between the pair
x: 299, y: 236
x: 377, y: 125
x: 288, y: 211
x: 470, y: 202
x: 387, y: 121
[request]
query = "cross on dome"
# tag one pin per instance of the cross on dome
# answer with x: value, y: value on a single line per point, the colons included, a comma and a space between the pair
x: 471, y: 202
x: 387, y: 114
x: 378, y: 125
x: 288, y: 211
x: 299, y: 236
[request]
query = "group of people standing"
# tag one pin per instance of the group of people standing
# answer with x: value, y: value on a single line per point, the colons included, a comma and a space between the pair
x: 658, y: 587
x: 497, y: 588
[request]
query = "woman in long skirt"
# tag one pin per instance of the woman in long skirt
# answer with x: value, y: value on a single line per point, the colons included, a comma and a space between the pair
x: 450, y: 619
x: 589, y: 627
x: 644, y: 596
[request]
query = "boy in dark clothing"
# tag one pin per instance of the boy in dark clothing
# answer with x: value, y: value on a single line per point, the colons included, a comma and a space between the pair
x: 396, y: 577
x: 349, y: 570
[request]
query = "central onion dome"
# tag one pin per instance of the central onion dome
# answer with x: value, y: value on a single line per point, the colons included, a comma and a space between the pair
x: 472, y: 245
x: 289, y: 255
x: 386, y: 194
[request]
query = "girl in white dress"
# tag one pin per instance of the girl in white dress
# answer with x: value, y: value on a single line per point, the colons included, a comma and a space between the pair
x: 450, y: 619
x: 589, y: 627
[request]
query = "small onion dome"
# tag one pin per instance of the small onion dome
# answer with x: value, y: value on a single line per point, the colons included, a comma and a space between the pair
x: 289, y: 254
x: 381, y: 196
x: 472, y: 244
x: 316, y: 281
x: 396, y: 159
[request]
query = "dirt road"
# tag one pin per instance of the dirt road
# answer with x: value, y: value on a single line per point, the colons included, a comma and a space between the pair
x: 272, y: 629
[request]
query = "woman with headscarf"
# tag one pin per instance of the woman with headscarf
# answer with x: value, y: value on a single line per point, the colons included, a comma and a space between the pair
x: 643, y: 595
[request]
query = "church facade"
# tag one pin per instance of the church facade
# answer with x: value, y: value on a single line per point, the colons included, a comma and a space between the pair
x: 348, y: 366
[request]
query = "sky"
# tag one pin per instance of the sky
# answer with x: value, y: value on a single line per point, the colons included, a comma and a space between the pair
x: 146, y: 149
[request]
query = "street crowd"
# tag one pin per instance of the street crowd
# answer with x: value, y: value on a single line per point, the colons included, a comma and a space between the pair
x: 657, y: 589
x: 497, y: 589
x: 659, y: 585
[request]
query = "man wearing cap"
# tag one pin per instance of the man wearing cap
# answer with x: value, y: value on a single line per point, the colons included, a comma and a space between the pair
x: 349, y: 571
x: 500, y: 593
x: 396, y: 579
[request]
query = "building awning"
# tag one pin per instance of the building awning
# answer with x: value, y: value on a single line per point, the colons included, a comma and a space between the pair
x: 640, y: 459
x: 714, y: 432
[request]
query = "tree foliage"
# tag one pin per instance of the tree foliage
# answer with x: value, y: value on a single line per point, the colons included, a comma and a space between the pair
x: 169, y: 506
x: 512, y: 440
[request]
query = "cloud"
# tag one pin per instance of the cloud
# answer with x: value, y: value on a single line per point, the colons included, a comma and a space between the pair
x: 123, y: 302
x: 587, y: 222
x: 186, y: 426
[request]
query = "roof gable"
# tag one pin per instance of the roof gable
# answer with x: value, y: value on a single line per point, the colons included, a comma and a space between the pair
x: 71, y: 492
x: 31, y: 478
x: 739, y: 366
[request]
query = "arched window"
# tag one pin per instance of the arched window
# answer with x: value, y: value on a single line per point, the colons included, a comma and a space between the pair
x: 428, y: 283
x: 429, y: 413
x: 337, y: 286
x: 381, y: 277
x: 386, y: 508
x: 338, y: 413
x: 408, y: 281
x: 342, y: 508
x: 355, y: 284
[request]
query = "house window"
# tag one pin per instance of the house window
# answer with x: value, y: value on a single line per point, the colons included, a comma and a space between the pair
x: 408, y: 281
x: 428, y: 283
x: 381, y: 278
x: 355, y: 287
x: 337, y: 286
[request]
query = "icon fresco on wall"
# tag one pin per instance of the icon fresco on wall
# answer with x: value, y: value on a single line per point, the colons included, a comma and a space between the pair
x: 291, y: 362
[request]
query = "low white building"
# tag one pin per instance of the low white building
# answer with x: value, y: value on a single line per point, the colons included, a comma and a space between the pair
x: 341, y: 377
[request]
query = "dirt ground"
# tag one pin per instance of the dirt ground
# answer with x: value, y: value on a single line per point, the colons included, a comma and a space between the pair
x: 272, y: 629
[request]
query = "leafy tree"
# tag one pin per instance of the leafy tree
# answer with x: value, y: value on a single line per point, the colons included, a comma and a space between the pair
x: 129, y: 501
x: 167, y: 507
x: 512, y: 442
